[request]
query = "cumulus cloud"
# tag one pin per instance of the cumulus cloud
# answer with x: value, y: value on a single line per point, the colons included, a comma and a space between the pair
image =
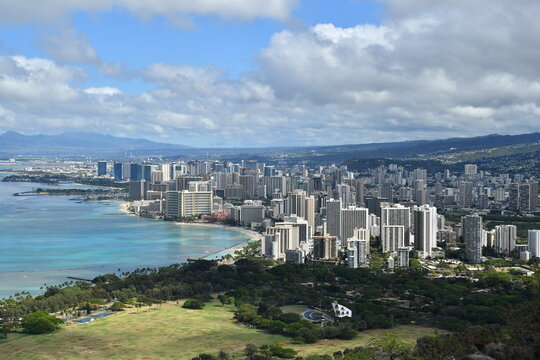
x: 431, y: 69
x: 32, y: 11
x: 68, y: 46
x: 35, y: 80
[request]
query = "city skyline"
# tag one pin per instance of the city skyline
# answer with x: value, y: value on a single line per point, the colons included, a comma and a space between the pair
x: 221, y: 75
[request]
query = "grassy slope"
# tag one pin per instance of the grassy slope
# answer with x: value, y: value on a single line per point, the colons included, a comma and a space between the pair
x: 170, y: 332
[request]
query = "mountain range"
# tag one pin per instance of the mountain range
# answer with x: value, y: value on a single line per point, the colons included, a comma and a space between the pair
x: 14, y: 144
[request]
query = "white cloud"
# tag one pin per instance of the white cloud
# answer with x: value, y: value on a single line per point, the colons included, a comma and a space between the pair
x: 68, y: 46
x: 52, y: 11
x: 474, y: 112
x: 430, y: 70
x: 28, y: 80
x: 106, y: 90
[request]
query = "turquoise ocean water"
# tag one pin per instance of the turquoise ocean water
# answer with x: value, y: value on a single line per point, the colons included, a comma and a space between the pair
x: 44, y: 239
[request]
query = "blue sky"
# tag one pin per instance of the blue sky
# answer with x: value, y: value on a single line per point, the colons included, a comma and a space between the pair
x: 229, y: 44
x: 305, y: 71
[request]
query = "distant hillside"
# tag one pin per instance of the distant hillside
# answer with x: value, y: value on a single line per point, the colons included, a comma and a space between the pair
x: 13, y: 143
x: 447, y: 150
x: 423, y: 148
x: 453, y: 150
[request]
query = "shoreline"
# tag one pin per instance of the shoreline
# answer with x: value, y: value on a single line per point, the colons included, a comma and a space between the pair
x: 251, y: 234
x: 123, y: 207
x: 96, y: 186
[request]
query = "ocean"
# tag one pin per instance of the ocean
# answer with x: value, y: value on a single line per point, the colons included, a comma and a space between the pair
x: 44, y: 239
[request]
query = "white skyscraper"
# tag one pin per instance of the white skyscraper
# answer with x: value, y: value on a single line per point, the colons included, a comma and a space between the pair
x: 188, y: 203
x: 396, y: 215
x: 403, y: 257
x: 166, y: 170
x: 425, y: 229
x: 393, y: 237
x: 279, y: 239
x: 534, y: 243
x: 505, y: 238
x: 357, y: 252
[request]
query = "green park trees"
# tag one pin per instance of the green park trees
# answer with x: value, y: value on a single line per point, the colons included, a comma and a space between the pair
x: 40, y: 322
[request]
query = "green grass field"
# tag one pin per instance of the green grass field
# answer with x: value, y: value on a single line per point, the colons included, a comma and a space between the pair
x: 170, y: 332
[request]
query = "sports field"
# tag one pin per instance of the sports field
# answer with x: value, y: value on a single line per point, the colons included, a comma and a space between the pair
x: 168, y: 332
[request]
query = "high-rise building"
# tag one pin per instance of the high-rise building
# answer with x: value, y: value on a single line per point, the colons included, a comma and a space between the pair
x: 234, y: 191
x: 358, y: 188
x: 101, y: 168
x: 274, y: 183
x: 118, y: 173
x: 296, y: 256
x: 249, y: 182
x: 345, y: 194
x: 147, y: 172
x: 318, y: 183
x: 138, y: 189
x: 251, y: 212
x: 500, y: 194
x: 325, y: 247
x: 310, y: 211
x: 534, y: 243
x: 505, y: 238
x: 187, y: 203
x: 296, y: 203
x: 200, y: 186
x: 392, y: 238
x: 278, y: 239
x: 528, y: 196
x: 126, y: 171
x: 405, y: 194
x: 135, y: 172
x: 465, y: 194
x: 471, y: 169
x: 472, y: 235
x: 157, y: 176
x: 375, y: 205
x: 396, y: 215
x: 420, y: 192
x: 523, y: 196
x: 483, y: 201
x: 352, y: 218
x: 402, y: 257
x: 166, y: 170
x: 513, y: 197
x: 269, y: 170
x: 387, y: 191
x: 425, y: 229
x: 333, y: 217
x: 304, y: 230
x: 420, y: 174
x: 357, y: 252
x: 182, y: 181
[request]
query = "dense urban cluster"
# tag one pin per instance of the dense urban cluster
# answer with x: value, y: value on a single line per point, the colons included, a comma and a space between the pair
x: 332, y: 214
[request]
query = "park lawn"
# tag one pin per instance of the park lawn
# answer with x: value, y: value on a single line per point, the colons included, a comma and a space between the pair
x: 168, y: 332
